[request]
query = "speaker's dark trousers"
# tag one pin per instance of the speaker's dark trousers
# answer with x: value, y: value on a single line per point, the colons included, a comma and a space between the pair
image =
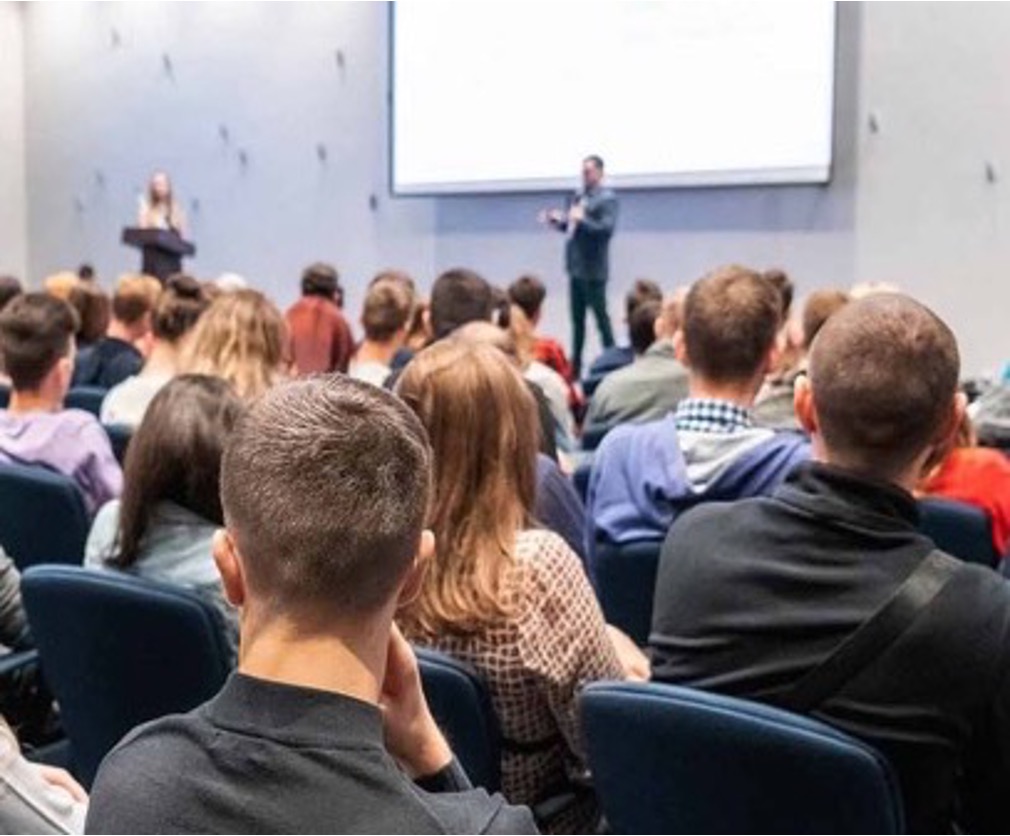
x: 593, y: 295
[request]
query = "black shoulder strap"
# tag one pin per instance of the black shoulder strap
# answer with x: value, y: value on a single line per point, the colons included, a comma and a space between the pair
x: 873, y: 636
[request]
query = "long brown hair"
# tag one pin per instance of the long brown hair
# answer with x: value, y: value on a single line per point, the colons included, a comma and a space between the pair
x: 482, y: 423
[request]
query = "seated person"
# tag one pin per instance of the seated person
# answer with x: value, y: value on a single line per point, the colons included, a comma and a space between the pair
x: 655, y: 382
x: 324, y: 729
x: 645, y: 475
x: 618, y: 356
x: 384, y: 317
x: 37, y: 344
x: 120, y: 353
x: 528, y: 294
x: 755, y: 596
x: 503, y: 594
x: 977, y: 476
x: 175, y: 313
x: 321, y: 339
x: 94, y: 312
x: 991, y: 416
x: 163, y: 526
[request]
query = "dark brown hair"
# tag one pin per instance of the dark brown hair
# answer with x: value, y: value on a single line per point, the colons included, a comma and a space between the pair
x: 178, y: 308
x: 731, y: 317
x: 175, y: 456
x: 643, y: 290
x: 36, y: 330
x: 387, y: 309
x: 459, y: 296
x: 10, y: 287
x: 819, y: 306
x: 784, y: 287
x: 528, y: 293
x: 883, y: 373
x: 642, y: 325
x: 325, y: 488
x: 93, y: 310
x: 321, y: 279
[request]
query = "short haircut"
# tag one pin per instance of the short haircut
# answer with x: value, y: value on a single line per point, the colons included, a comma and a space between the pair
x: 784, y: 286
x: 10, y: 287
x: 883, y: 374
x: 731, y: 318
x: 459, y: 296
x: 387, y: 310
x: 643, y: 290
x: 134, y: 298
x: 36, y: 331
x: 179, y: 307
x: 596, y: 160
x: 93, y: 310
x: 320, y: 279
x: 325, y: 486
x: 819, y: 306
x: 528, y: 294
x: 642, y: 325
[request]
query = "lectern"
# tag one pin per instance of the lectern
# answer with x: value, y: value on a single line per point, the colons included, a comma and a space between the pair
x: 162, y: 250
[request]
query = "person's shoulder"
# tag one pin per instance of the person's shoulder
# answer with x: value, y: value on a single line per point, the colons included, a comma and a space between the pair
x: 650, y: 435
x: 477, y: 811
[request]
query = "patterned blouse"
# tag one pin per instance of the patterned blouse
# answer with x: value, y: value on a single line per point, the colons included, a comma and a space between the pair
x: 534, y: 666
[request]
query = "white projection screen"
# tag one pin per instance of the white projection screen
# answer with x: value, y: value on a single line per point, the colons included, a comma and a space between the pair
x: 505, y: 96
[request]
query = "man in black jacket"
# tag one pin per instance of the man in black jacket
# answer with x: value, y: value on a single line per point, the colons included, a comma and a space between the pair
x: 324, y: 728
x: 754, y: 597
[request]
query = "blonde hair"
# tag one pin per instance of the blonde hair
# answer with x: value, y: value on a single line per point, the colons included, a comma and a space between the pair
x: 482, y: 423
x: 61, y: 285
x: 242, y: 338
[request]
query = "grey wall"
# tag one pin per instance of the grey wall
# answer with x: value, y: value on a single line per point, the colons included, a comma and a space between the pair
x: 909, y: 204
x: 13, y: 200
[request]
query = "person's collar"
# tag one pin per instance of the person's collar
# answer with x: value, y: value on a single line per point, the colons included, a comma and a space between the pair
x: 661, y: 348
x: 295, y: 714
x: 711, y: 415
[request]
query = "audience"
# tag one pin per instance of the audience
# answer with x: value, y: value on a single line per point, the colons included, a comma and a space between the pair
x: 60, y: 285
x: 656, y: 381
x: 120, y: 353
x: 321, y: 340
x: 501, y: 593
x: 325, y: 724
x: 385, y: 318
x: 94, y: 312
x: 645, y: 475
x: 176, y: 312
x: 528, y: 294
x: 242, y: 338
x: 163, y: 526
x: 10, y: 287
x: 617, y: 356
x: 37, y: 344
x: 754, y: 598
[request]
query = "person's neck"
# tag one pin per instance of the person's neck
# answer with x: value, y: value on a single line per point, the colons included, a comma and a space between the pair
x: 347, y: 661
x: 120, y: 331
x: 45, y: 399
x: 906, y: 479
x: 163, y: 359
x: 376, y: 352
x: 740, y: 393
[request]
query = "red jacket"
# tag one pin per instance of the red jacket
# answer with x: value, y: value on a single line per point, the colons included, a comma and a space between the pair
x: 320, y: 338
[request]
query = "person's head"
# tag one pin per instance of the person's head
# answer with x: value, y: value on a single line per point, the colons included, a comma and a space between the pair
x: 784, y: 287
x: 731, y: 319
x: 482, y: 423
x: 419, y: 326
x: 159, y: 188
x: 230, y: 282
x: 132, y: 304
x: 321, y: 279
x: 642, y: 325
x: 325, y: 486
x: 175, y: 456
x: 592, y: 171
x: 820, y: 305
x: 643, y: 290
x: 10, y: 287
x: 242, y: 338
x: 60, y: 285
x: 399, y: 277
x: 881, y: 397
x: 386, y: 313
x: 37, y: 344
x: 459, y: 296
x: 178, y: 309
x: 486, y: 333
x: 86, y: 273
x: 671, y: 314
x: 94, y: 310
x: 528, y: 293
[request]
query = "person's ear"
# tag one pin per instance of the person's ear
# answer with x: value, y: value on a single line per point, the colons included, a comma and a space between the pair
x: 414, y: 578
x: 803, y: 405
x: 946, y: 435
x: 775, y: 353
x: 229, y: 566
x: 680, y: 347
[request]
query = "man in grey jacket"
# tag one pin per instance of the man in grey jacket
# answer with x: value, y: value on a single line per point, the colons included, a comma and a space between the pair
x: 589, y: 222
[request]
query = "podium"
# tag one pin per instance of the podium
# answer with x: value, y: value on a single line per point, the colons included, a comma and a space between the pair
x: 162, y: 249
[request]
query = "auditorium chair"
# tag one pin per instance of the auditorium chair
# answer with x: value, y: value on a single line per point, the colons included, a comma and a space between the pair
x: 580, y: 478
x: 959, y: 529
x: 625, y: 580
x: 119, y: 650
x: 593, y: 434
x: 667, y: 759
x: 119, y: 437
x: 5, y: 396
x: 88, y: 398
x: 43, y: 519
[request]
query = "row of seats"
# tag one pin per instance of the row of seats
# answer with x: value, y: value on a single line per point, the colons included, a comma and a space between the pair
x: 141, y: 649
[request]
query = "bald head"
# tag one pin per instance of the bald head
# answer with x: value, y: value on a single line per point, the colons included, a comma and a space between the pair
x: 883, y: 374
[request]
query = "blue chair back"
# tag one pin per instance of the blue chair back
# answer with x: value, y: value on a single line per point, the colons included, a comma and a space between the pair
x: 959, y: 529
x: 667, y: 759
x: 5, y: 396
x: 580, y: 478
x: 118, y: 651
x: 593, y: 434
x: 119, y: 437
x: 88, y: 398
x: 44, y: 519
x: 625, y: 578
x: 461, y: 706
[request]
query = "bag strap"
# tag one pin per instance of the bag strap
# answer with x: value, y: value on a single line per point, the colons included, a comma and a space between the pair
x: 873, y: 636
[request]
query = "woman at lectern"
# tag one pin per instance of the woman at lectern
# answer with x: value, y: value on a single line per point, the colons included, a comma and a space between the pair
x: 159, y: 209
